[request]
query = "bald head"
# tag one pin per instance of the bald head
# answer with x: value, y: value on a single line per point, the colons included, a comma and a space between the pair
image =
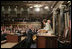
x: 49, y: 21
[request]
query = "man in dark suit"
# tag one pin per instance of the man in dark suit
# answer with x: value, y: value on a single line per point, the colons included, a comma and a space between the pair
x: 29, y: 37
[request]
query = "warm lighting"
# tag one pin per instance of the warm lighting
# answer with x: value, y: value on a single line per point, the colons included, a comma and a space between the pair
x: 37, y: 5
x: 37, y: 9
x: 69, y: 1
x: 31, y: 7
x: 46, y: 7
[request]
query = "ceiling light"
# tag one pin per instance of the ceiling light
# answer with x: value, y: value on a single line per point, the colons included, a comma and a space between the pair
x: 46, y: 7
x: 31, y: 7
x: 37, y: 9
x: 69, y: 1
x: 37, y: 5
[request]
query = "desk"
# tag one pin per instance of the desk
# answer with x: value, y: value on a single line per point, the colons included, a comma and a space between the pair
x: 13, y: 38
x: 11, y: 44
x: 47, y: 41
x: 8, y: 45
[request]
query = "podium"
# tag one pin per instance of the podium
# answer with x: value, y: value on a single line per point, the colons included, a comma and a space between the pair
x: 47, y: 41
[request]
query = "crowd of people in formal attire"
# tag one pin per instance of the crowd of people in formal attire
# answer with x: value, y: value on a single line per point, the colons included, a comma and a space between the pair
x: 28, y: 31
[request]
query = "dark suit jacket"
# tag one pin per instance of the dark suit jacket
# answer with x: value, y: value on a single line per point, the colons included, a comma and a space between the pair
x: 29, y: 35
